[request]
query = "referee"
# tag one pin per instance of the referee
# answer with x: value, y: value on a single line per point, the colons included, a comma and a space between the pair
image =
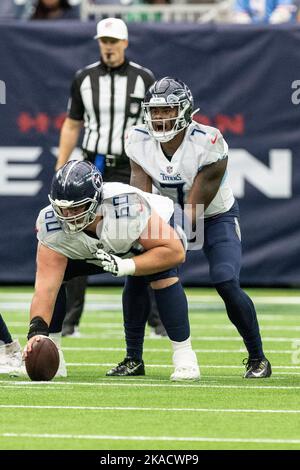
x: 106, y: 98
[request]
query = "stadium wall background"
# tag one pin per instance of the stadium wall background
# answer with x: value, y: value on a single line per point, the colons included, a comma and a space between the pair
x: 245, y: 80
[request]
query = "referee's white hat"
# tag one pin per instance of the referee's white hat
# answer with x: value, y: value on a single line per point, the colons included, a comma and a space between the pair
x: 112, y: 28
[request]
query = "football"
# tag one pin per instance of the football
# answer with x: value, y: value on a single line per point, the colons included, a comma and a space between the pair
x: 43, y: 361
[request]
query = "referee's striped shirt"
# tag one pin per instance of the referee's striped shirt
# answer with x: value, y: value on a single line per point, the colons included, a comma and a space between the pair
x: 108, y: 100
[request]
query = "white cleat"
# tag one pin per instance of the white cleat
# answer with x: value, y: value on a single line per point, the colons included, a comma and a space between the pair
x: 11, y: 359
x: 186, y: 373
x: 186, y: 366
x: 62, y: 368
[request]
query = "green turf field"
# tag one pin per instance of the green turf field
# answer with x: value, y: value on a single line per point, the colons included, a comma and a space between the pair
x: 222, y: 411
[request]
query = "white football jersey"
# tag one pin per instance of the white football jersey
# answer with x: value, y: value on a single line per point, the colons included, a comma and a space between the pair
x: 201, y: 146
x: 126, y: 211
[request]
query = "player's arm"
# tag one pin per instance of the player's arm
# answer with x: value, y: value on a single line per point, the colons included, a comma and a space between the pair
x: 206, y: 185
x: 69, y: 136
x: 164, y: 250
x: 50, y: 271
x: 140, y: 179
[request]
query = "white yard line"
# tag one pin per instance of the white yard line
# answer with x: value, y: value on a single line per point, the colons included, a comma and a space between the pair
x: 151, y: 336
x: 161, y: 350
x: 88, y: 307
x: 119, y: 335
x: 168, y: 384
x: 170, y: 366
x: 150, y: 438
x: 281, y: 339
x: 139, y: 408
x: 213, y: 298
x: 116, y: 312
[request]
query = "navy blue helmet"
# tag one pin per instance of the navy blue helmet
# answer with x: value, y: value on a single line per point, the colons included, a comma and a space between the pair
x: 76, y: 192
x: 171, y: 93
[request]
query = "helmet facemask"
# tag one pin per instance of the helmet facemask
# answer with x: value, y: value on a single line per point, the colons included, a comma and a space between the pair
x: 180, y: 121
x: 79, y: 221
x: 168, y: 93
x: 76, y: 192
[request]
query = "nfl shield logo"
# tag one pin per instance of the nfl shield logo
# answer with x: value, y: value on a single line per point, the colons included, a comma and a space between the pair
x: 169, y: 169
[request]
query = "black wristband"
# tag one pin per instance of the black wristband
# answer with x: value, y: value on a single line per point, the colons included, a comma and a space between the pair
x: 37, y: 326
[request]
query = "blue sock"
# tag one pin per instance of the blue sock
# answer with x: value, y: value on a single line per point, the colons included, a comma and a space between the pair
x: 4, y: 333
x: 136, y: 307
x: 241, y: 312
x: 173, y: 311
x: 59, y: 312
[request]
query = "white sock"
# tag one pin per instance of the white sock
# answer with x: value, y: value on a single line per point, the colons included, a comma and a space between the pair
x: 182, y: 345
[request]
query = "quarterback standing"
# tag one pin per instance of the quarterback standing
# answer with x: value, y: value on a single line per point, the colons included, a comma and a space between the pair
x: 187, y: 162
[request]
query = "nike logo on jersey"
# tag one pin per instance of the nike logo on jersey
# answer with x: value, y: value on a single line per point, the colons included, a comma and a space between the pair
x: 213, y: 141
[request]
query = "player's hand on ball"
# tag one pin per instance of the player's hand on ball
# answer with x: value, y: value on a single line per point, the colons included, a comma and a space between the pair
x: 115, y: 265
x: 41, y: 358
x: 28, y: 348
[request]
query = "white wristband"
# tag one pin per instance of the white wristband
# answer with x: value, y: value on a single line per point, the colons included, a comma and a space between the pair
x: 126, y: 267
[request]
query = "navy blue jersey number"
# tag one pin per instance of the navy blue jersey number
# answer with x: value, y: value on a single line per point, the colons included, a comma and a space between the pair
x: 121, y: 206
x: 180, y: 193
x: 51, y: 221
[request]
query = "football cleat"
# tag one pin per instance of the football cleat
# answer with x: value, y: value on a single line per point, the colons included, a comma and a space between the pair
x: 62, y: 368
x: 186, y: 366
x: 128, y: 367
x: 11, y: 359
x: 257, y: 368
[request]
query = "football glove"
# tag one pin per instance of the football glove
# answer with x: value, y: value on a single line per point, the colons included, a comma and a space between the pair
x: 116, y: 265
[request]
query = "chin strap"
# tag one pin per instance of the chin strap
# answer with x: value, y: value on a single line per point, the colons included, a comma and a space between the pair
x: 194, y: 112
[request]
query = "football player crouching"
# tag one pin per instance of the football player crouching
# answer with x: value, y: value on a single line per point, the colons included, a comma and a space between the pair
x: 93, y: 228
